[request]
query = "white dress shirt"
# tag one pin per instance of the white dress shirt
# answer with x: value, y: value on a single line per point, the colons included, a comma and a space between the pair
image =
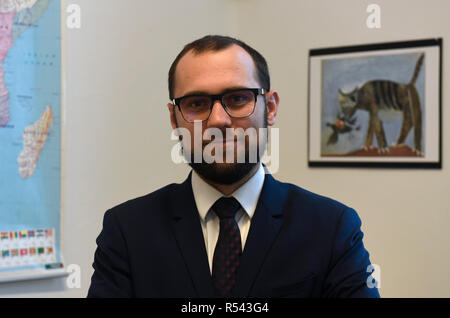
x: 205, y: 196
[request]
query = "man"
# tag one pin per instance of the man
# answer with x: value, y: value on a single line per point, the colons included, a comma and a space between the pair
x: 229, y: 230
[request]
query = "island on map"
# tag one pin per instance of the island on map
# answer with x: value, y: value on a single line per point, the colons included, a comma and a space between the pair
x: 34, y: 137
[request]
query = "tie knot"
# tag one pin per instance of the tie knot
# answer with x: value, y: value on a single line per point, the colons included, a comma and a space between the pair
x: 226, y: 207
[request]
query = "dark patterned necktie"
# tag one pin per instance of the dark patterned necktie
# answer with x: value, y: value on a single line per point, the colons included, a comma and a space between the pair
x: 227, y: 254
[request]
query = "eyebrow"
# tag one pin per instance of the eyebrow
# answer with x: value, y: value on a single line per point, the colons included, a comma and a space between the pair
x: 224, y: 91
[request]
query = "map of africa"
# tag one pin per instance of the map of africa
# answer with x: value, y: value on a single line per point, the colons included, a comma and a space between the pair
x: 30, y: 128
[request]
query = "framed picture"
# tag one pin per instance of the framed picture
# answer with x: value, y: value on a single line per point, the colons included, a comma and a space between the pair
x: 376, y: 105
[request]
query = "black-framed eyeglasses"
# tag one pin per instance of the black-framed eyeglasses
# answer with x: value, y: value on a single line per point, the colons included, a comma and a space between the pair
x: 238, y: 103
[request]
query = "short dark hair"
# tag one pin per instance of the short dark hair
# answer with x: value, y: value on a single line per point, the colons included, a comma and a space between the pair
x: 218, y: 43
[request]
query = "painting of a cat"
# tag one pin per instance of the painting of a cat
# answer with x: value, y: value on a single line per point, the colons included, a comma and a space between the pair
x: 379, y: 95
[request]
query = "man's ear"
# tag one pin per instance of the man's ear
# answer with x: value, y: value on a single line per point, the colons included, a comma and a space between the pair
x: 171, y: 108
x: 273, y: 100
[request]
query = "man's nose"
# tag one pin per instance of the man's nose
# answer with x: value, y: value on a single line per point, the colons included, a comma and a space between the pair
x: 218, y: 117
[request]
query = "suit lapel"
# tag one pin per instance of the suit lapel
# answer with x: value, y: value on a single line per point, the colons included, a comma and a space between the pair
x: 265, y: 225
x: 189, y: 236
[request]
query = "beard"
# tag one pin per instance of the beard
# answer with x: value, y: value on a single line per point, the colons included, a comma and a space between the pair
x: 229, y: 172
x: 225, y: 172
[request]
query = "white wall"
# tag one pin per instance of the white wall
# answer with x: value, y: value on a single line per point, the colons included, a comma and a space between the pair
x: 118, y: 134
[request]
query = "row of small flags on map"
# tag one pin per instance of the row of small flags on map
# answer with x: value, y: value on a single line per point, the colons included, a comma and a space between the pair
x: 24, y: 234
x: 26, y: 251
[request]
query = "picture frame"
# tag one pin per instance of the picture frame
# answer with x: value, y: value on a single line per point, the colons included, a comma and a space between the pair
x: 376, y: 105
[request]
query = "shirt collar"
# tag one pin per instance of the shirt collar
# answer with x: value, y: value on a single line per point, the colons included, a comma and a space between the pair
x: 247, y: 194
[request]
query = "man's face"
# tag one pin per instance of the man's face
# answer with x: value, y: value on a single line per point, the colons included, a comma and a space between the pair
x: 215, y: 72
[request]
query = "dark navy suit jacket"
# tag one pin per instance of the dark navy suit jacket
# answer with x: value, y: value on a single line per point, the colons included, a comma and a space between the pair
x: 299, y: 245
